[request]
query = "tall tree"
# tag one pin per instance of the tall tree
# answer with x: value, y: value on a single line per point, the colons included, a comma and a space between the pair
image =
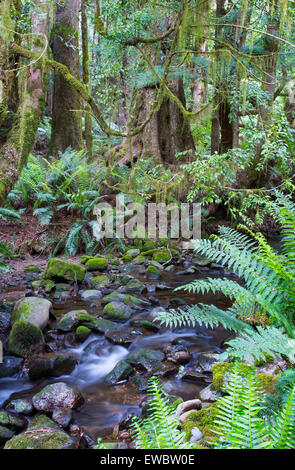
x: 23, y: 90
x: 67, y: 106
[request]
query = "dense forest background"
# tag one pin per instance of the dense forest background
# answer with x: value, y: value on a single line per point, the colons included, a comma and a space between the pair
x: 156, y: 101
x: 171, y: 101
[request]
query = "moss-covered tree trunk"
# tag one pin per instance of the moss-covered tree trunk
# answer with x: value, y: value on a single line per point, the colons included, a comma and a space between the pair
x: 167, y: 133
x: 67, y: 109
x: 86, y: 77
x: 28, y: 99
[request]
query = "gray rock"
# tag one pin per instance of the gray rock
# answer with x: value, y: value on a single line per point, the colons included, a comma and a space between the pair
x: 12, y: 421
x: 56, y: 396
x: 207, y: 394
x: 121, y: 371
x: 188, y: 405
x: 206, y: 361
x: 11, y: 365
x: 34, y: 310
x: 62, y: 416
x: 20, y: 406
x: 91, y: 294
x: 4, y: 322
x: 51, y: 366
x: 196, y: 434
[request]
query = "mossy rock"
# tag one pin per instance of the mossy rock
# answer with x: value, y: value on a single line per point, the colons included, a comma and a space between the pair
x: 76, y: 318
x: 204, y: 420
x: 34, y: 310
x: 99, y: 281
x: 262, y: 362
x: 153, y: 272
x: 60, y: 268
x: 145, y: 358
x: 82, y: 333
x: 97, y: 264
x: 42, y: 433
x: 266, y: 382
x: 134, y: 287
x: 117, y: 311
x: 85, y: 258
x: 149, y: 245
x: 162, y: 256
x: 32, y: 269
x: 22, y: 337
x: 127, y: 257
x: 139, y: 260
x: 114, y: 262
x: 222, y: 369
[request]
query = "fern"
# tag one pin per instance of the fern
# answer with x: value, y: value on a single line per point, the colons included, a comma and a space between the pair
x: 160, y: 430
x: 268, y: 290
x: 239, y: 421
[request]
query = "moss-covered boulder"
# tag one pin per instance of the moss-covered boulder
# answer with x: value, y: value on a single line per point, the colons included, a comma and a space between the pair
x: 149, y: 245
x: 100, y: 281
x: 82, y: 333
x: 34, y: 310
x: 12, y: 421
x: 162, y: 256
x: 134, y: 287
x: 139, y: 260
x: 121, y: 371
x: 42, y: 433
x: 75, y: 318
x: 127, y: 258
x: 58, y: 268
x: 204, y: 420
x: 117, y: 311
x: 221, y: 370
x: 22, y: 337
x: 96, y: 264
x: 153, y: 272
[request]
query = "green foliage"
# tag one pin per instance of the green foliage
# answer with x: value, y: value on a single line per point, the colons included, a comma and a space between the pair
x: 5, y: 252
x: 160, y: 429
x: 239, y: 423
x: 266, y: 297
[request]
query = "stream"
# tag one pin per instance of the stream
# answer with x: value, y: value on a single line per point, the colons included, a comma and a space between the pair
x: 106, y: 405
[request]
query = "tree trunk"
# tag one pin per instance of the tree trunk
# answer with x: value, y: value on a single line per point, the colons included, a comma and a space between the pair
x: 166, y: 135
x: 21, y: 136
x: 67, y: 109
x: 86, y: 77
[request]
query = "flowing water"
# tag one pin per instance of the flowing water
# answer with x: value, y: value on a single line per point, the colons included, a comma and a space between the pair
x: 105, y: 405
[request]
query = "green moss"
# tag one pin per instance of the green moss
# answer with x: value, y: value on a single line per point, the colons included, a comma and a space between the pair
x: 82, y: 333
x: 149, y: 245
x: 85, y: 258
x: 202, y: 419
x: 127, y: 257
x: 99, y: 281
x: 23, y: 335
x: 266, y: 382
x: 96, y: 264
x: 262, y: 362
x: 221, y: 369
x: 161, y: 256
x: 32, y: 269
x: 139, y: 259
x: 59, y: 268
